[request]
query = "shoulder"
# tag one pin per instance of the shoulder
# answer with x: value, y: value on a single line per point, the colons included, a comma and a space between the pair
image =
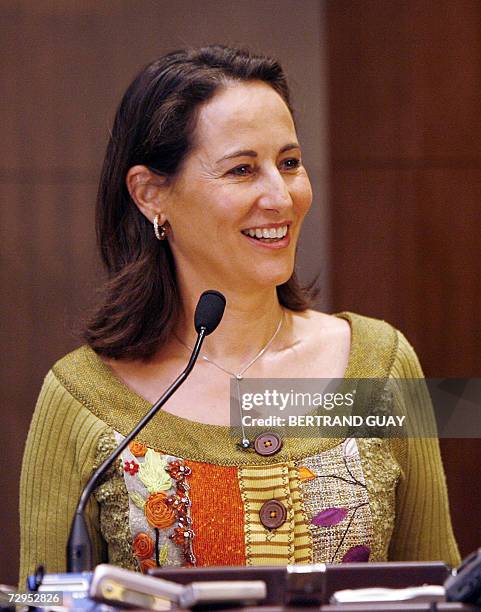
x: 64, y: 402
x: 88, y: 379
x: 388, y: 344
x: 69, y: 364
x: 55, y: 394
x: 62, y: 426
x: 345, y: 323
x: 93, y: 384
x: 321, y: 327
x: 378, y: 349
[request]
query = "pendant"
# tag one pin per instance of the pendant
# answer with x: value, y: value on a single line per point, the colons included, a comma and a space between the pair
x: 239, y: 376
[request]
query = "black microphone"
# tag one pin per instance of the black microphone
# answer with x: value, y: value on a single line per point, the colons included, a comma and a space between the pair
x: 208, y: 315
x: 209, y: 311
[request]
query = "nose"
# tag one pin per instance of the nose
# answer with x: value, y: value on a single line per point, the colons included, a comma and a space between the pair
x: 273, y: 191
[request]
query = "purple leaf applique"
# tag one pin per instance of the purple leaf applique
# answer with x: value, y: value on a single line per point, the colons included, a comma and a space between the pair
x: 357, y: 554
x: 330, y: 517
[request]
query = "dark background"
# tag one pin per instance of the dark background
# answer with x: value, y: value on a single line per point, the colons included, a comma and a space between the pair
x: 388, y: 100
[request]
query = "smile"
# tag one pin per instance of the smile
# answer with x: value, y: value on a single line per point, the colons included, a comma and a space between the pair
x: 270, y: 234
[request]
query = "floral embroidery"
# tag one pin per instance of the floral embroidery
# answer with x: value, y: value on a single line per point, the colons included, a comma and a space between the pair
x: 143, y: 546
x: 330, y: 517
x: 137, y: 449
x: 158, y: 512
x: 131, y: 467
x: 138, y: 500
x: 163, y: 554
x: 147, y: 564
x: 153, y: 473
x: 357, y: 554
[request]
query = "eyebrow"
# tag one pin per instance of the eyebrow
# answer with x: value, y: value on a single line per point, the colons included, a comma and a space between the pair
x: 252, y: 153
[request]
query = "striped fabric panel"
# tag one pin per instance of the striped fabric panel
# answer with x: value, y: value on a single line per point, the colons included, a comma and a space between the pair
x: 259, y: 484
x: 291, y: 542
x: 302, y: 533
x: 217, y: 515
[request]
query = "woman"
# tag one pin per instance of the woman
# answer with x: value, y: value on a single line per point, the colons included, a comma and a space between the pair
x: 203, y: 187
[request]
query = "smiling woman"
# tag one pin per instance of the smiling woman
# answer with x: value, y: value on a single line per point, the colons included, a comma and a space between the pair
x: 203, y: 187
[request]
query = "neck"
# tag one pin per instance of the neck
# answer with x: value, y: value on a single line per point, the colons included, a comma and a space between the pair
x: 249, y: 322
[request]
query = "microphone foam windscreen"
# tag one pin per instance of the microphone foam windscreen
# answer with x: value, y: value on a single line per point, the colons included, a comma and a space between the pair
x: 209, y: 311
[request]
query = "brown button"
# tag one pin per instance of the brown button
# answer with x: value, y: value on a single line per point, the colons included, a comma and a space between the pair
x: 267, y: 443
x: 273, y: 514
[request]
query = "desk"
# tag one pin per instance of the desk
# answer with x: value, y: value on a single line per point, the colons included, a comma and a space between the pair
x: 285, y: 585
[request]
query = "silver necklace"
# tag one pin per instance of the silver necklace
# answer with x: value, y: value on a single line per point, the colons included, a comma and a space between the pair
x: 238, y: 376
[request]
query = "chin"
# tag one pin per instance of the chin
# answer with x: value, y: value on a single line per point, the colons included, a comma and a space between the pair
x: 273, y: 278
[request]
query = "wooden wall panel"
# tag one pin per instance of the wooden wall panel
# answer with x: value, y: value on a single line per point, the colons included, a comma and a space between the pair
x: 405, y: 147
x: 373, y: 213
x: 409, y: 84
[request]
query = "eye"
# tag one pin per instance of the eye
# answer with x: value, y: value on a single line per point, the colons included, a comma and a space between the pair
x: 243, y: 170
x: 292, y: 163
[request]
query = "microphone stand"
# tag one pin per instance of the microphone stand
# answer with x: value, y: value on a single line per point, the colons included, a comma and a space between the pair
x: 79, y: 548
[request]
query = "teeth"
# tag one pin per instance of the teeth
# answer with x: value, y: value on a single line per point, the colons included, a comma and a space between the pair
x: 269, y: 233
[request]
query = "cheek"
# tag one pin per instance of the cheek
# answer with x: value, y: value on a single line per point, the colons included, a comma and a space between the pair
x: 230, y: 207
x: 303, y: 196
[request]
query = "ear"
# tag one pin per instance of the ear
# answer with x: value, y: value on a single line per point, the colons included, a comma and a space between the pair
x: 148, y: 190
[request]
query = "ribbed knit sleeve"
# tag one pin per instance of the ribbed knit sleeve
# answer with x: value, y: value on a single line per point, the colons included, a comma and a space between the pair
x: 59, y: 456
x: 423, y: 528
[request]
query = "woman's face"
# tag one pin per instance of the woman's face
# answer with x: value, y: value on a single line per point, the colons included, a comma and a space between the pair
x: 243, y: 179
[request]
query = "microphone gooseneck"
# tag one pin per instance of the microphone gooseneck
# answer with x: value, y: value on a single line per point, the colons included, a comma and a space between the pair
x: 208, y: 315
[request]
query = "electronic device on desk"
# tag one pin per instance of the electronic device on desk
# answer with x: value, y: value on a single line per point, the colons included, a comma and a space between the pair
x: 61, y: 591
x: 465, y: 583
x: 111, y: 588
x: 122, y: 587
x: 315, y: 584
x: 427, y: 593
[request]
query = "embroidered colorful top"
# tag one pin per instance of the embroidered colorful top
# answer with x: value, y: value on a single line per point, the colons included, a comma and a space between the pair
x: 184, y: 494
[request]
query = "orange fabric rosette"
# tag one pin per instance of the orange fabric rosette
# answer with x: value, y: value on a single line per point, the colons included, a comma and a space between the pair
x: 137, y: 449
x: 157, y: 512
x: 143, y: 546
x: 147, y: 564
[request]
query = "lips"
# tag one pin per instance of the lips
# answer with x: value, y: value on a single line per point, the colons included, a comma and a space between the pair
x: 267, y: 233
x: 272, y: 237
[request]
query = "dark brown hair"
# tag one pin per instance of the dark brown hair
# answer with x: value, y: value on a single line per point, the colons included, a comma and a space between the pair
x: 154, y: 126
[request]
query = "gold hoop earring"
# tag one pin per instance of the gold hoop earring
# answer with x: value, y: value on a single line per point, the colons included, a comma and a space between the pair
x: 160, y: 232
